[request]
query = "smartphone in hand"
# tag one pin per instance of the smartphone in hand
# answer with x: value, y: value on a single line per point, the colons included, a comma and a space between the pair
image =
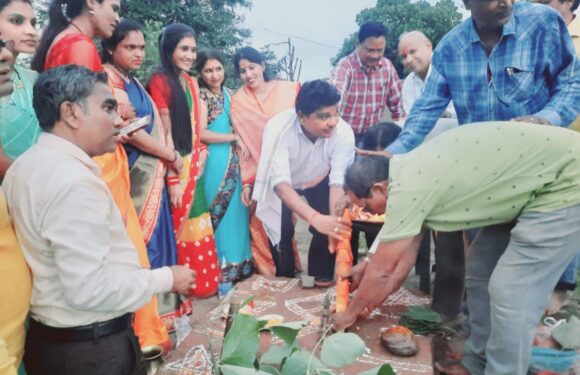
x: 138, y: 124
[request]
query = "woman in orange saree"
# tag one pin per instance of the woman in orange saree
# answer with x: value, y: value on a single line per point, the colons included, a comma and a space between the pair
x: 253, y: 105
x: 70, y: 42
x: 176, y: 95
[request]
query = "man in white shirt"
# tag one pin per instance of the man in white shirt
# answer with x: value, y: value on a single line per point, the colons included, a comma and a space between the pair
x: 86, y: 274
x: 306, y: 152
x: 416, y: 50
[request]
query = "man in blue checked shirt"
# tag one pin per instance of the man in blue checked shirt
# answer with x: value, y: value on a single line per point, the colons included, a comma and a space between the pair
x: 508, y: 61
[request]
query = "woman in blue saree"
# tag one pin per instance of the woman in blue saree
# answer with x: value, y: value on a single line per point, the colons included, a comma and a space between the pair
x: 222, y: 181
x: 150, y: 154
x: 149, y: 151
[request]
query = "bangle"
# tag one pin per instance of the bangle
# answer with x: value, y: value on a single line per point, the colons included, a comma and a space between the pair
x: 172, y: 180
x: 246, y: 186
x: 174, y: 159
x: 312, y: 217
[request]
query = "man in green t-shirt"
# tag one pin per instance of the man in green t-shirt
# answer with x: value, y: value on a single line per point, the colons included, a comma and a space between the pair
x: 521, y: 183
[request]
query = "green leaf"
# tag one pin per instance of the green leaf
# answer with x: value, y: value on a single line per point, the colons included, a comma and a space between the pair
x: 237, y: 370
x: 288, y: 331
x: 381, y: 370
x: 262, y: 324
x: 276, y: 354
x: 297, y: 363
x: 241, y: 344
x: 342, y: 349
x: 270, y: 370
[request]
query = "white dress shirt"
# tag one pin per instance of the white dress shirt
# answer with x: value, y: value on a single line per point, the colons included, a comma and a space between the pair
x: 84, y: 266
x: 288, y: 156
x: 413, y: 87
x: 303, y: 164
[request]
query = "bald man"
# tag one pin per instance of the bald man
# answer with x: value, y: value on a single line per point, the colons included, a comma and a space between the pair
x: 416, y: 50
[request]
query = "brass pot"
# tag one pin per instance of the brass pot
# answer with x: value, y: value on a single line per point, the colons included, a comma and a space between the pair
x: 153, y: 356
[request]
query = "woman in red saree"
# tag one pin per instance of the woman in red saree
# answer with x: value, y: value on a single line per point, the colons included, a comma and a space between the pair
x: 253, y: 105
x: 176, y: 95
x: 70, y: 42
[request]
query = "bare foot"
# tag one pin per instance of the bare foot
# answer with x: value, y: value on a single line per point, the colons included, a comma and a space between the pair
x: 560, y: 298
x: 455, y: 368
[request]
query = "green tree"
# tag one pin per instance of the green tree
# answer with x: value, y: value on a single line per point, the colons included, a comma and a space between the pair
x: 400, y: 16
x: 217, y: 24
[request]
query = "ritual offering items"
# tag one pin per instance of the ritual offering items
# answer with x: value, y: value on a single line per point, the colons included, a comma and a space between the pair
x: 272, y: 320
x: 421, y: 320
x: 359, y: 214
x: 400, y: 341
x: 343, y: 266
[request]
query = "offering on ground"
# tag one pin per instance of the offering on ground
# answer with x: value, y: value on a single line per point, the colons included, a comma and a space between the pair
x: 400, y: 341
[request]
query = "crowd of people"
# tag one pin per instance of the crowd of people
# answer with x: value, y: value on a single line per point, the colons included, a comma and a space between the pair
x: 107, y: 236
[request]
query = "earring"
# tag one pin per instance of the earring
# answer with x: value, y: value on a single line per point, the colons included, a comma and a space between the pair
x: 91, y: 12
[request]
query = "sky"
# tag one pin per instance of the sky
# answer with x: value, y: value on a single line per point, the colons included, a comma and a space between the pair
x: 317, y: 28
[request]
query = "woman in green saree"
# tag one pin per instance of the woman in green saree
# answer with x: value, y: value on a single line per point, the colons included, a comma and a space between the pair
x: 19, y: 127
x: 222, y: 180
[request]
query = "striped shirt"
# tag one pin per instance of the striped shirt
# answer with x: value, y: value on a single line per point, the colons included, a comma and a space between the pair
x: 366, y: 92
x: 533, y: 70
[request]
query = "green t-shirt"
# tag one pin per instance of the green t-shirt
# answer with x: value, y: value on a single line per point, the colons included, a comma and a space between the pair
x: 480, y: 175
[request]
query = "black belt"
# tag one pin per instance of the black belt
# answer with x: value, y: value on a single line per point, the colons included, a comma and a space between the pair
x: 80, y: 333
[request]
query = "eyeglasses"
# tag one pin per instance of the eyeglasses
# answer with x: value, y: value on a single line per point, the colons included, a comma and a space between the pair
x: 7, y: 44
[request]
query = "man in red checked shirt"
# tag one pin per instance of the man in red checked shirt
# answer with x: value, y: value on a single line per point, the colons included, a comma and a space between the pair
x: 368, y: 82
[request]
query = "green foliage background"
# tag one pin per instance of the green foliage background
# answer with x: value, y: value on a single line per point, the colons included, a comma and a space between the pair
x: 217, y: 24
x: 400, y: 16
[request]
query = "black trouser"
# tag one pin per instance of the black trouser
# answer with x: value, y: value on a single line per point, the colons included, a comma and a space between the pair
x: 116, y: 354
x: 370, y: 236
x: 450, y: 273
x: 320, y: 261
x: 359, y: 140
x: 423, y: 262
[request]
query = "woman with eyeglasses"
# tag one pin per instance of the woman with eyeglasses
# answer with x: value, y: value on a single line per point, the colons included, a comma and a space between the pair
x: 19, y: 127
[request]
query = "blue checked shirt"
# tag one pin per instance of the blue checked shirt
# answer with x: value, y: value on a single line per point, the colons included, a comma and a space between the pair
x: 534, y: 71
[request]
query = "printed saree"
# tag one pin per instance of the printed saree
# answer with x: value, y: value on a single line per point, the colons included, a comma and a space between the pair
x: 192, y: 223
x: 81, y: 50
x: 147, y: 174
x: 19, y: 128
x: 249, y: 117
x: 222, y: 185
